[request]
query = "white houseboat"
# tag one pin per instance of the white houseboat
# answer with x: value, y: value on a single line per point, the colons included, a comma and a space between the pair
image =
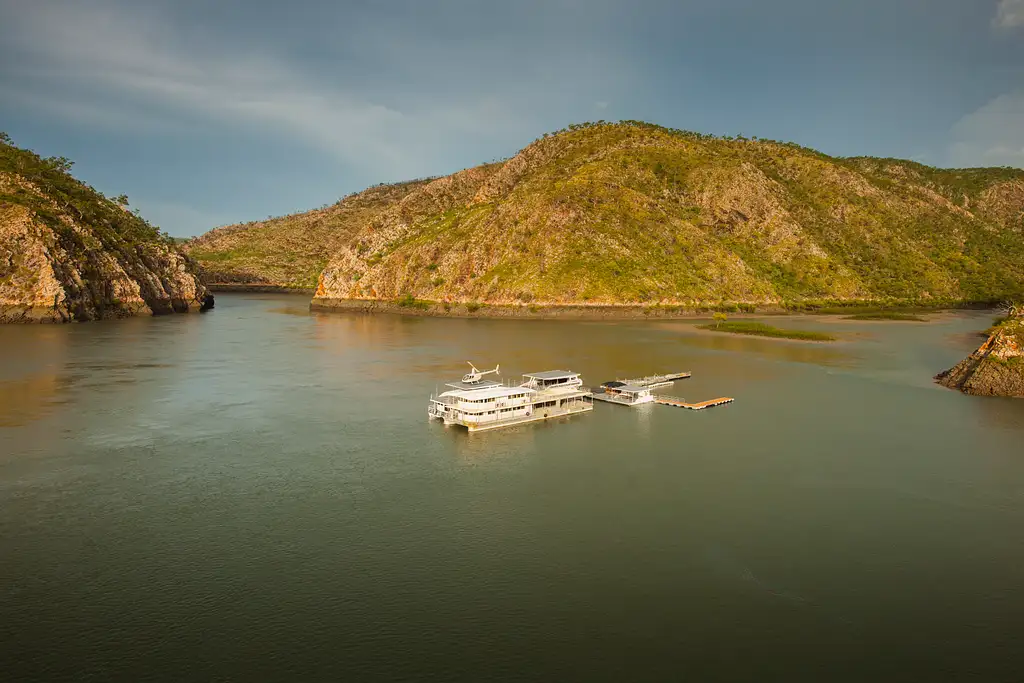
x: 624, y: 394
x: 478, y: 404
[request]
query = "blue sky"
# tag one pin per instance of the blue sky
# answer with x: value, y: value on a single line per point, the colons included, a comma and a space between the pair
x: 207, y: 112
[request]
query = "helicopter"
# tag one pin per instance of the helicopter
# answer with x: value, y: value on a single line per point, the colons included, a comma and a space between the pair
x: 475, y: 375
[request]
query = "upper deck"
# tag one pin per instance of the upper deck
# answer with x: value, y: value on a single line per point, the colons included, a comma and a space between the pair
x: 473, y: 386
x: 498, y: 391
x: 555, y: 382
x: 551, y: 376
x: 631, y: 389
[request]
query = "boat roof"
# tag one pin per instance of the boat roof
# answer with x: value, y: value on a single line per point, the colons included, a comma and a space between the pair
x: 491, y: 392
x: 552, y: 374
x: 473, y: 386
x: 632, y: 388
x: 614, y: 384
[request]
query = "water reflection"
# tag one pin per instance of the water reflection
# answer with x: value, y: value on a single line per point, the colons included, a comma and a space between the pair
x: 786, y: 350
x: 364, y: 329
x: 643, y: 416
x: 968, y: 341
x: 998, y: 412
x: 488, y: 447
x: 31, y: 398
x: 33, y: 378
x: 249, y: 442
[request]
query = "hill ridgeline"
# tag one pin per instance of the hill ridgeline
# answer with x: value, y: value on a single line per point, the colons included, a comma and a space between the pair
x: 634, y: 214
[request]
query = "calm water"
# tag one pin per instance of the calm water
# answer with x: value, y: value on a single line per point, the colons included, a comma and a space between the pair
x: 256, y: 494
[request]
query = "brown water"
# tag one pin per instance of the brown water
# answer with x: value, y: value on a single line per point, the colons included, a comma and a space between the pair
x: 256, y: 494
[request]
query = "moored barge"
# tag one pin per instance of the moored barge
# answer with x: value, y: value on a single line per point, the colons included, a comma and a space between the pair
x: 479, y: 404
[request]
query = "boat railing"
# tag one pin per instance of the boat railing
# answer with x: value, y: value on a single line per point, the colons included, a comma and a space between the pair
x: 488, y: 405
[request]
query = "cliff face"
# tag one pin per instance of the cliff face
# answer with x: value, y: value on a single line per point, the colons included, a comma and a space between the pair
x: 996, y: 368
x: 290, y: 251
x: 68, y: 253
x: 637, y: 214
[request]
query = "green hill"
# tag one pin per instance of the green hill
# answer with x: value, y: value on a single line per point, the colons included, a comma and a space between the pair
x: 632, y: 213
x: 290, y: 251
x: 69, y: 253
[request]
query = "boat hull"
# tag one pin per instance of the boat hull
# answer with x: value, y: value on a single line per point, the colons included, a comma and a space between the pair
x: 536, y: 416
x: 622, y: 402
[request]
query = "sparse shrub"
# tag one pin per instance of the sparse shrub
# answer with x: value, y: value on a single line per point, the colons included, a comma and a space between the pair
x: 409, y: 301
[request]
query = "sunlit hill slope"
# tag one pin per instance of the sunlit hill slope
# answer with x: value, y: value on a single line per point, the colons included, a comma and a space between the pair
x: 632, y: 213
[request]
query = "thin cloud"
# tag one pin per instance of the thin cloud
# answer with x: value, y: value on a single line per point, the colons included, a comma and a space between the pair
x: 118, y: 57
x: 180, y: 219
x: 992, y: 135
x: 92, y: 114
x: 1010, y: 14
x: 91, y: 64
x: 363, y: 92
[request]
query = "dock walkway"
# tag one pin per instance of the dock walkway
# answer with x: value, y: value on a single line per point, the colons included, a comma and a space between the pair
x: 679, y: 403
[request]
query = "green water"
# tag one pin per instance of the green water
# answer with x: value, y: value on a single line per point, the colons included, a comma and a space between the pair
x: 256, y: 494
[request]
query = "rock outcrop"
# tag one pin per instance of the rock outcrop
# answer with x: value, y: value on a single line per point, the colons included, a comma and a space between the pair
x: 996, y: 368
x: 67, y: 253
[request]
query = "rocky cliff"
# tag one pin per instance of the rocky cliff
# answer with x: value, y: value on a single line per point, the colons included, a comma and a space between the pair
x: 69, y: 253
x: 996, y: 368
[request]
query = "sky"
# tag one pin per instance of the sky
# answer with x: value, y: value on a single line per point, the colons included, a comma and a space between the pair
x: 210, y: 112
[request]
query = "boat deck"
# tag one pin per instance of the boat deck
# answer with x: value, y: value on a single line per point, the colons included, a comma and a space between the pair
x: 673, y: 376
x: 655, y: 381
x: 679, y: 403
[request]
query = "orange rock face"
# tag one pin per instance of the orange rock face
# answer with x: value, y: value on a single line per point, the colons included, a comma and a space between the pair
x: 996, y: 368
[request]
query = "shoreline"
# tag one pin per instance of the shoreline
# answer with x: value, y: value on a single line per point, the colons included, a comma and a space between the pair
x: 216, y: 287
x: 32, y: 314
x: 590, y: 312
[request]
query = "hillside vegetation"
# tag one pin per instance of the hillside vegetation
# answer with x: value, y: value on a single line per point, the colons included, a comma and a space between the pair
x: 290, y: 251
x: 632, y: 213
x: 69, y: 253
